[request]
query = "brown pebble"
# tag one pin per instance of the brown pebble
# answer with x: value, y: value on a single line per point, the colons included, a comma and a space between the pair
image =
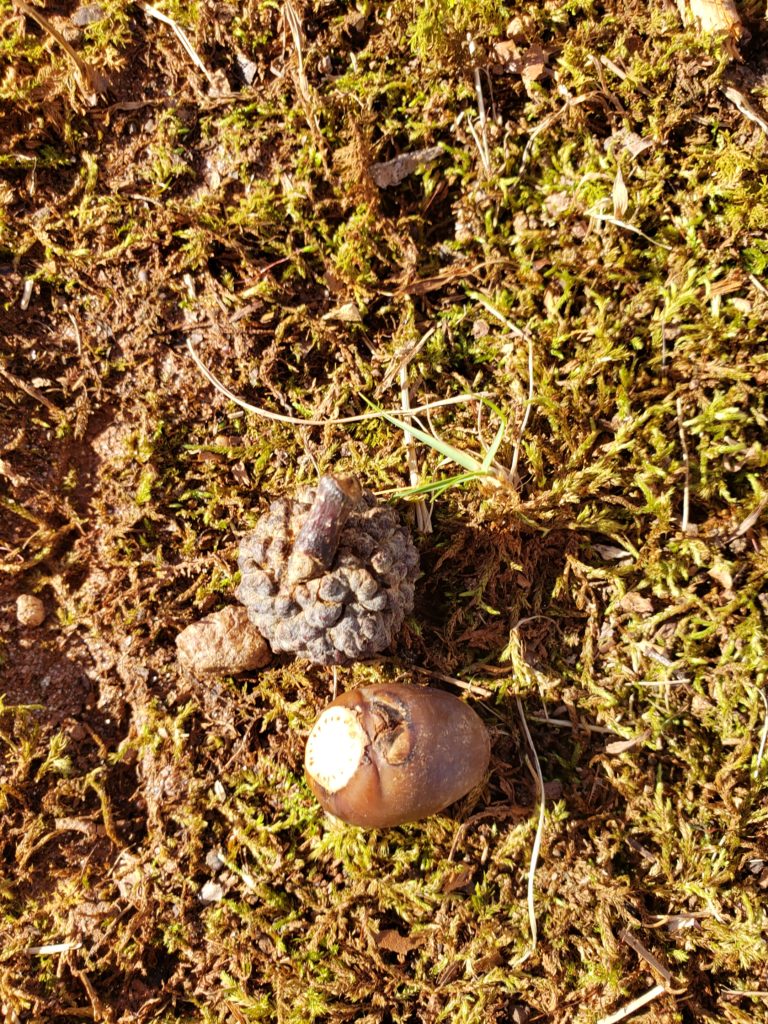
x: 223, y: 643
x: 30, y: 610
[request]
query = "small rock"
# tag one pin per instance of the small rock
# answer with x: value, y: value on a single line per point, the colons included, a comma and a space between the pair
x: 30, y: 610
x: 248, y: 69
x: 87, y: 15
x: 214, y: 861
x: 212, y: 892
x: 223, y: 643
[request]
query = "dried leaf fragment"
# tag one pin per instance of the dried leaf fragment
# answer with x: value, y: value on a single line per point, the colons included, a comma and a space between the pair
x: 634, y: 602
x: 621, y: 746
x: 392, y: 940
x: 392, y: 172
x: 712, y: 16
x: 531, y: 64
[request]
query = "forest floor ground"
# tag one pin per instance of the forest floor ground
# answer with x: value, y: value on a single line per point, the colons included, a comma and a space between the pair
x: 583, y: 251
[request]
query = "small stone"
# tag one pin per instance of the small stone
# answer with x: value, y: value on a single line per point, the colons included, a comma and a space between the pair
x: 87, y: 15
x: 223, y: 643
x: 212, y: 892
x: 30, y: 610
x: 214, y: 861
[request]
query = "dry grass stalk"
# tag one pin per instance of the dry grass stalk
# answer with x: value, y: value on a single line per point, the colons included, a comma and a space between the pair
x: 181, y: 35
x: 89, y: 81
x: 634, y: 1006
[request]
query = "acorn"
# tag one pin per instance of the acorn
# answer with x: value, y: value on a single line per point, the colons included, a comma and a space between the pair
x: 389, y: 754
x: 328, y: 574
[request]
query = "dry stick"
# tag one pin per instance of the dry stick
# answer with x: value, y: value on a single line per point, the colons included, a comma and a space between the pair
x: 88, y: 78
x: 334, y: 421
x: 686, y: 464
x: 406, y: 355
x: 746, y: 524
x: 636, y: 1004
x: 294, y: 24
x: 291, y: 15
x: 181, y: 36
x: 26, y: 295
x: 474, y: 688
x: 645, y: 954
x: 744, y: 107
x: 77, y: 333
x: 550, y: 119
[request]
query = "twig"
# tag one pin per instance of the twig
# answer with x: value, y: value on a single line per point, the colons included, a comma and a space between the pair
x: 481, y: 141
x: 26, y: 294
x: 181, y: 35
x: 550, y: 119
x: 495, y: 811
x: 53, y: 947
x: 606, y: 62
x: 744, y: 107
x: 474, y: 688
x: 686, y: 464
x: 76, y: 329
x: 636, y: 1004
x: 403, y: 357
x: 645, y: 954
x: 682, y: 681
x: 291, y: 16
x: 482, y: 147
x: 294, y: 24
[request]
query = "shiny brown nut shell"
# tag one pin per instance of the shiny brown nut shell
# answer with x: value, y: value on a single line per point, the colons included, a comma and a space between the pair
x: 389, y: 754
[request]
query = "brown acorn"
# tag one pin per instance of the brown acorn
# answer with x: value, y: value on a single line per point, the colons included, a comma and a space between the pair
x: 389, y: 754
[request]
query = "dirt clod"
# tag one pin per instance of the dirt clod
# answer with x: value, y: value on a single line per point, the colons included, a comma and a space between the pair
x: 223, y: 643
